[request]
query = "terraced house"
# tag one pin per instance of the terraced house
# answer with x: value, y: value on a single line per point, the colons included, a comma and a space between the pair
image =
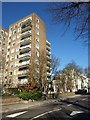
x: 27, y: 48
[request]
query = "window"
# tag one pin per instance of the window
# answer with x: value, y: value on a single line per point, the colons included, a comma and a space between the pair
x: 4, y: 44
x: 15, y: 26
x: 19, y: 29
x: 11, y: 28
x: 11, y: 64
x: 19, y: 24
x: 37, y: 53
x: 2, y: 31
x: 15, y: 72
x: 6, y: 33
x: 17, y: 56
x: 18, y: 36
x: 13, y: 44
x: 14, y: 32
x: 37, y: 61
x: 17, y: 49
x: 37, y: 32
x: 12, y: 51
x: 37, y: 45
x: 4, y: 38
x: 10, y: 81
x: 12, y: 57
x: 37, y: 25
x: 7, y: 56
x: 9, y: 49
x: 14, y: 37
x: 10, y: 37
x: 16, y: 63
x: 9, y: 43
x: 37, y: 20
x: 30, y: 18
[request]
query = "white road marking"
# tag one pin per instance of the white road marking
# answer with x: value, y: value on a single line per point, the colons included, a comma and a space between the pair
x: 69, y: 105
x: 75, y: 112
x: 16, y: 114
x: 45, y: 114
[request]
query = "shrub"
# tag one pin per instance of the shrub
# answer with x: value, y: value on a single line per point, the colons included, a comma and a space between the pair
x: 25, y: 95
x: 36, y: 95
x: 13, y: 91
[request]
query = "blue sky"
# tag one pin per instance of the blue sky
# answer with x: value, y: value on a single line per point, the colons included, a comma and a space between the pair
x: 63, y: 47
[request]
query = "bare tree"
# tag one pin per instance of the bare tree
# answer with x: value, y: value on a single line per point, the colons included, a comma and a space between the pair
x: 72, y: 12
x: 71, y: 71
x: 55, y: 62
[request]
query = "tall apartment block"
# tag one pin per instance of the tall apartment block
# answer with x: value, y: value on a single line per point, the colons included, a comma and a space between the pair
x: 3, y: 52
x: 26, y: 42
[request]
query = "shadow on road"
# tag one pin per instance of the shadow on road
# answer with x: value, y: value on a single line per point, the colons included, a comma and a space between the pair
x: 82, y: 116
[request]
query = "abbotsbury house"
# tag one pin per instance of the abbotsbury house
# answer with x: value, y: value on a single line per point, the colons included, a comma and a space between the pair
x: 23, y: 44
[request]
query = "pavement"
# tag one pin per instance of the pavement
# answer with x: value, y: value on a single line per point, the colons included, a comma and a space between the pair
x: 30, y: 104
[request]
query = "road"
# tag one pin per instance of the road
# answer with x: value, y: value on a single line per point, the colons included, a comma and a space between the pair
x: 56, y: 109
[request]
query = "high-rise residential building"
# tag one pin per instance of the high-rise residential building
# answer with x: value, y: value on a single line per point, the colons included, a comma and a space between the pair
x: 27, y: 44
x: 3, y: 51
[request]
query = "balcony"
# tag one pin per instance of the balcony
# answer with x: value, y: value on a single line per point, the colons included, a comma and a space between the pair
x: 48, y: 48
x: 23, y: 67
x: 27, y: 28
x: 25, y: 55
x: 26, y: 23
x: 48, y: 73
x: 48, y: 67
x: 25, y: 35
x: 48, y: 63
x: 24, y: 63
x: 25, y: 49
x: 48, y: 58
x: 23, y: 73
x: 24, y: 58
x: 25, y: 41
x: 47, y: 43
x: 23, y: 81
x: 26, y: 46
x: 48, y: 53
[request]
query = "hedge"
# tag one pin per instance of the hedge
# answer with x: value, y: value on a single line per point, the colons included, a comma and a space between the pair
x: 33, y: 96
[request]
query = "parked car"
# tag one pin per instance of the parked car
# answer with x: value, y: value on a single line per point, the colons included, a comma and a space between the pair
x: 81, y: 91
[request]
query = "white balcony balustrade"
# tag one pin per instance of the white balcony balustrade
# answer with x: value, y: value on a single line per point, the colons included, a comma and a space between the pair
x: 23, y: 81
x: 27, y: 32
x: 25, y: 54
x: 23, y: 72
x: 24, y: 63
x: 26, y: 46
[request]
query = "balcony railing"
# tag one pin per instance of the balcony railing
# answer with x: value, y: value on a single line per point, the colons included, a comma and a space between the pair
x: 25, y: 55
x: 48, y: 73
x: 23, y: 72
x: 26, y: 46
x: 48, y: 48
x: 23, y: 81
x: 26, y: 23
x: 48, y: 52
x: 24, y: 63
x: 25, y: 35
x: 27, y: 28
x: 28, y: 38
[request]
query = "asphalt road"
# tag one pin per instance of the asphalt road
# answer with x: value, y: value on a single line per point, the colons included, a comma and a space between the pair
x: 59, y: 109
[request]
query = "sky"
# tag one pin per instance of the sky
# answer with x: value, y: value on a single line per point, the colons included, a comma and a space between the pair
x: 64, y: 47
